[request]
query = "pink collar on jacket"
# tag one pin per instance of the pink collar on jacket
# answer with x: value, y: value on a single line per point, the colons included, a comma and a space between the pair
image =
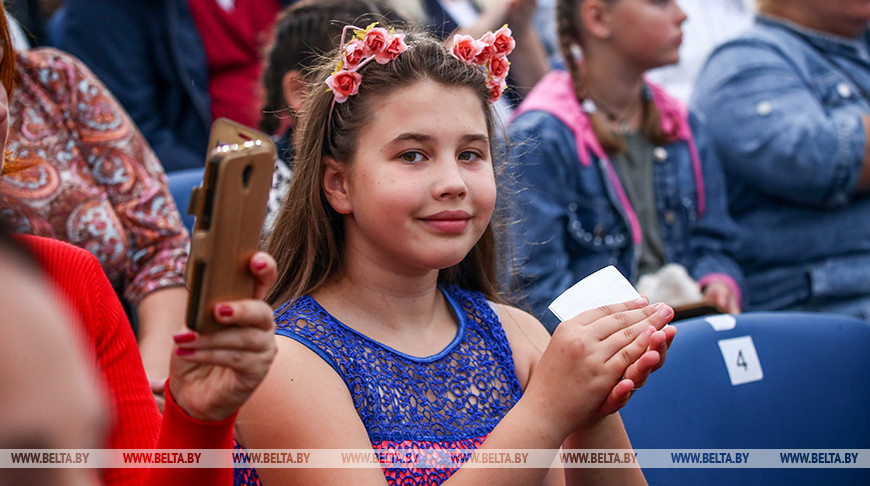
x: 554, y: 94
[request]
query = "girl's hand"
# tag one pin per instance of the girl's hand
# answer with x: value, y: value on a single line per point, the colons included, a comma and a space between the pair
x: 211, y: 376
x: 722, y: 296
x: 650, y: 361
x: 579, y: 378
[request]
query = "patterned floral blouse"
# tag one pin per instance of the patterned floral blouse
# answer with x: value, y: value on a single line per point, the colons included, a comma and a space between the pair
x: 91, y: 178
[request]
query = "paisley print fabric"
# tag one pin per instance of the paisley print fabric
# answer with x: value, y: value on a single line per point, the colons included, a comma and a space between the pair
x: 91, y: 178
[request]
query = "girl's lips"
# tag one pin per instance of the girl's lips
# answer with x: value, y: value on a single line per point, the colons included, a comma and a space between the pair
x: 449, y: 226
x: 450, y: 222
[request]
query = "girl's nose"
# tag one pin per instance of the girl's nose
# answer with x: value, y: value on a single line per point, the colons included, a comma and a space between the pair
x: 450, y: 181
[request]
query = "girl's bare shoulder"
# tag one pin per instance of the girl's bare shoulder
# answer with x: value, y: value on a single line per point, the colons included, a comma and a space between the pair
x: 527, y: 337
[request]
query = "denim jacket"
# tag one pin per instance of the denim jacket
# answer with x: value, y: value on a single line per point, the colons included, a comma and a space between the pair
x: 573, y: 217
x: 784, y: 107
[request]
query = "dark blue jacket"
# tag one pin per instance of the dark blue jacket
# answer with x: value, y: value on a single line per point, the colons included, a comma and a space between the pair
x: 151, y: 57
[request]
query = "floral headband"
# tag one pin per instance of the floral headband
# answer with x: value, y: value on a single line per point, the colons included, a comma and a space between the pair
x: 489, y: 52
x: 370, y: 43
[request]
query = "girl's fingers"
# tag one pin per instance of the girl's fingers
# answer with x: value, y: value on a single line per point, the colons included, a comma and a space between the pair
x: 657, y: 315
x: 242, y: 362
x: 625, y: 348
x: 593, y: 315
x: 629, y: 326
x: 658, y: 339
x: 265, y: 271
x: 668, y: 332
x: 250, y: 312
x: 617, y: 398
x: 640, y: 370
x: 246, y: 339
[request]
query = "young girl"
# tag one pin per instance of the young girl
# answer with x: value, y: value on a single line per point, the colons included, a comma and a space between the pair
x: 612, y: 170
x: 387, y: 287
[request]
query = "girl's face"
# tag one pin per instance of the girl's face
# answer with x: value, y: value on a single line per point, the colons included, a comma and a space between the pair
x: 647, y: 32
x: 421, y: 188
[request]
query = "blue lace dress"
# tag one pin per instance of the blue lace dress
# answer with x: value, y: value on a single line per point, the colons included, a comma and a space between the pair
x: 451, y: 400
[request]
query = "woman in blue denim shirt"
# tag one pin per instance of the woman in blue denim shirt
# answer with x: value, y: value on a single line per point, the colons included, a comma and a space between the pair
x: 608, y: 169
x: 788, y: 105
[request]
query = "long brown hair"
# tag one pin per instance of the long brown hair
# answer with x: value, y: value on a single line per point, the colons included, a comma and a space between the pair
x: 570, y: 29
x: 308, y: 239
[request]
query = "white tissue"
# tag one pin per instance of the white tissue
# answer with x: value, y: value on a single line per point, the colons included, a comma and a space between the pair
x: 604, y: 287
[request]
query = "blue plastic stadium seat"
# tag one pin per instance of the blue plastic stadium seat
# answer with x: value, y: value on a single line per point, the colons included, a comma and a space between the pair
x: 180, y: 184
x: 814, y: 394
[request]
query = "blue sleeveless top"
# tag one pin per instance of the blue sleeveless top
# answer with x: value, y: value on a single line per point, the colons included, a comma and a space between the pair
x: 451, y: 400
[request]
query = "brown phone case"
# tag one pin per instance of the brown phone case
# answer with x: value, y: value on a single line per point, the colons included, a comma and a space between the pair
x: 230, y: 207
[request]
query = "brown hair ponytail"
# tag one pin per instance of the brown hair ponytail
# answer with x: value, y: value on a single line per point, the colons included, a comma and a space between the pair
x: 569, y: 28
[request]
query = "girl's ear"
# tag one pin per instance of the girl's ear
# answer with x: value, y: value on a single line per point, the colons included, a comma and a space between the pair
x: 595, y: 18
x: 293, y: 88
x: 335, y: 179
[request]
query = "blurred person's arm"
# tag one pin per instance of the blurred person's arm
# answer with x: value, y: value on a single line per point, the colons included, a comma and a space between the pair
x: 51, y: 396
x: 200, y: 411
x: 774, y: 133
x: 714, y: 236
x: 107, y: 336
x: 161, y: 315
x: 136, y: 186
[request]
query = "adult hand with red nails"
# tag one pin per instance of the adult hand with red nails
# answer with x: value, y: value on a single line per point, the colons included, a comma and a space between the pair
x: 212, y: 375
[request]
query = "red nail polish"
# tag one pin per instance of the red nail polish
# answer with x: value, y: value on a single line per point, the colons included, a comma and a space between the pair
x: 225, y: 310
x: 184, y: 351
x: 184, y: 337
x: 259, y: 264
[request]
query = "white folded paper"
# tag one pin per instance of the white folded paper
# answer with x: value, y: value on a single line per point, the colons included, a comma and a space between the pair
x: 604, y: 287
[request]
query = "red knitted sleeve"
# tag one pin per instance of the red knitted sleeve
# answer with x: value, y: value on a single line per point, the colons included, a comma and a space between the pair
x: 110, y: 340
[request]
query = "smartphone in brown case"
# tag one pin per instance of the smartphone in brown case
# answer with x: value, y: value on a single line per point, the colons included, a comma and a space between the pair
x: 230, y: 207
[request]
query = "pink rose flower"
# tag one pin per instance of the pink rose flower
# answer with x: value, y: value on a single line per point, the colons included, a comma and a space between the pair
x: 499, y: 66
x: 343, y: 84
x: 353, y: 54
x: 375, y: 41
x: 395, y: 46
x: 504, y: 43
x: 465, y: 48
x: 496, y: 88
x: 488, y: 49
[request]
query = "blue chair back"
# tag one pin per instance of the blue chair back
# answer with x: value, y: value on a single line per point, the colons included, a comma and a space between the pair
x: 180, y: 184
x: 807, y: 386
